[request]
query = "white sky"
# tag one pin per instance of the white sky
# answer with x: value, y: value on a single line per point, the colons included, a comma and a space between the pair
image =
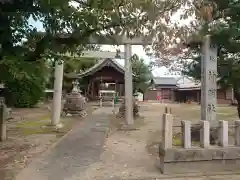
x: 158, y: 71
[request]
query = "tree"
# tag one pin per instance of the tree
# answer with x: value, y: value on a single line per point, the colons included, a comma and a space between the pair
x: 76, y: 66
x: 25, y: 81
x: 72, y: 66
x: 70, y: 23
x: 225, y: 32
x: 142, y: 72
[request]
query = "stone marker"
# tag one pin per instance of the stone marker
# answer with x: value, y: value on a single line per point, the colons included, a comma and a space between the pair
x: 208, y: 90
x: 208, y: 80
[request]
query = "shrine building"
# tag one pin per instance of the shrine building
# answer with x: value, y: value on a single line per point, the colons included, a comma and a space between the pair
x: 106, y: 75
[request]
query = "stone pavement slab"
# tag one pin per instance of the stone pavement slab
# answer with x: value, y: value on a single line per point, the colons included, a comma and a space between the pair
x: 74, y: 153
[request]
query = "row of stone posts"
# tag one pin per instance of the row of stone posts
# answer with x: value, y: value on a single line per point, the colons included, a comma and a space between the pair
x: 204, y: 133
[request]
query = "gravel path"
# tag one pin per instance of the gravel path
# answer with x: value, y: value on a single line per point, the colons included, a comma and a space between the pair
x: 69, y: 159
x: 127, y: 155
x: 85, y: 155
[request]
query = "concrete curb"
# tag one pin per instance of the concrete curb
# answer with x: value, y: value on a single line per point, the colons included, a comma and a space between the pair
x: 196, y: 175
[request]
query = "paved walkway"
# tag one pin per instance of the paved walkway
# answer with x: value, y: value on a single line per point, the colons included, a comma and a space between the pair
x: 74, y: 153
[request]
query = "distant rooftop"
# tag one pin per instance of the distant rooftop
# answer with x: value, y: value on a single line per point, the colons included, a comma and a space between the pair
x: 165, y: 81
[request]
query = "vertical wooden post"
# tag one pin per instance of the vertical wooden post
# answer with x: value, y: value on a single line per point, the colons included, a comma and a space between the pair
x: 113, y: 103
x: 3, y: 126
x: 116, y: 88
x: 92, y: 90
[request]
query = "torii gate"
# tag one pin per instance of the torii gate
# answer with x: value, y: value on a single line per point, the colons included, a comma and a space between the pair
x: 108, y: 40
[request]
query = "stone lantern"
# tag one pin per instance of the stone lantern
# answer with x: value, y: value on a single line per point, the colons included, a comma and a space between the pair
x: 75, y: 103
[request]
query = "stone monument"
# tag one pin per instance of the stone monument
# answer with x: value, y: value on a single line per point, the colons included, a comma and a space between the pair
x: 208, y: 90
x: 208, y: 80
x: 75, y: 103
x: 192, y: 158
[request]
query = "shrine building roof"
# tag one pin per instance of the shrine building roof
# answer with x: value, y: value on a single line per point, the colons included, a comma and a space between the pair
x: 101, y: 64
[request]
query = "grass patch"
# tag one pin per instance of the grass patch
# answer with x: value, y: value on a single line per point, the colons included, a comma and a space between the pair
x: 32, y: 124
x: 45, y: 117
x: 32, y: 131
x: 30, y: 127
x: 192, y: 112
x: 177, y: 141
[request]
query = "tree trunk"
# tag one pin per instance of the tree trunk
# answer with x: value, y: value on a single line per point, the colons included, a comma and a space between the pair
x: 238, y: 109
x: 236, y: 91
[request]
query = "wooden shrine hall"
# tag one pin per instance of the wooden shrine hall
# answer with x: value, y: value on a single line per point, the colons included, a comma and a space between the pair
x: 106, y: 75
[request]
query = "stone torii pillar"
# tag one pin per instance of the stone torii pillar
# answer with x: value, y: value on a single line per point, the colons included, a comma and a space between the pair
x: 128, y: 84
x: 57, y: 95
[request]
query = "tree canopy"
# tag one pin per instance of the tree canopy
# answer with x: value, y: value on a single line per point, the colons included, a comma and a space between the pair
x: 70, y: 23
x: 68, y: 26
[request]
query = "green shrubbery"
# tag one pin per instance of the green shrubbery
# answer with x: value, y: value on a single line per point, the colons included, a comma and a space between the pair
x: 26, y: 93
x: 25, y: 82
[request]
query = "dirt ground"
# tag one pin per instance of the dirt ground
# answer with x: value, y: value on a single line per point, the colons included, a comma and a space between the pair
x: 127, y: 155
x: 134, y: 154
x: 27, y: 138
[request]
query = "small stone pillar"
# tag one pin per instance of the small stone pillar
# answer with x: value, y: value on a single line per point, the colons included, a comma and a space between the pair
x: 223, y: 133
x: 204, y: 134
x: 167, y: 130
x: 186, y: 134
x: 237, y: 133
x: 3, y: 126
x: 168, y: 110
